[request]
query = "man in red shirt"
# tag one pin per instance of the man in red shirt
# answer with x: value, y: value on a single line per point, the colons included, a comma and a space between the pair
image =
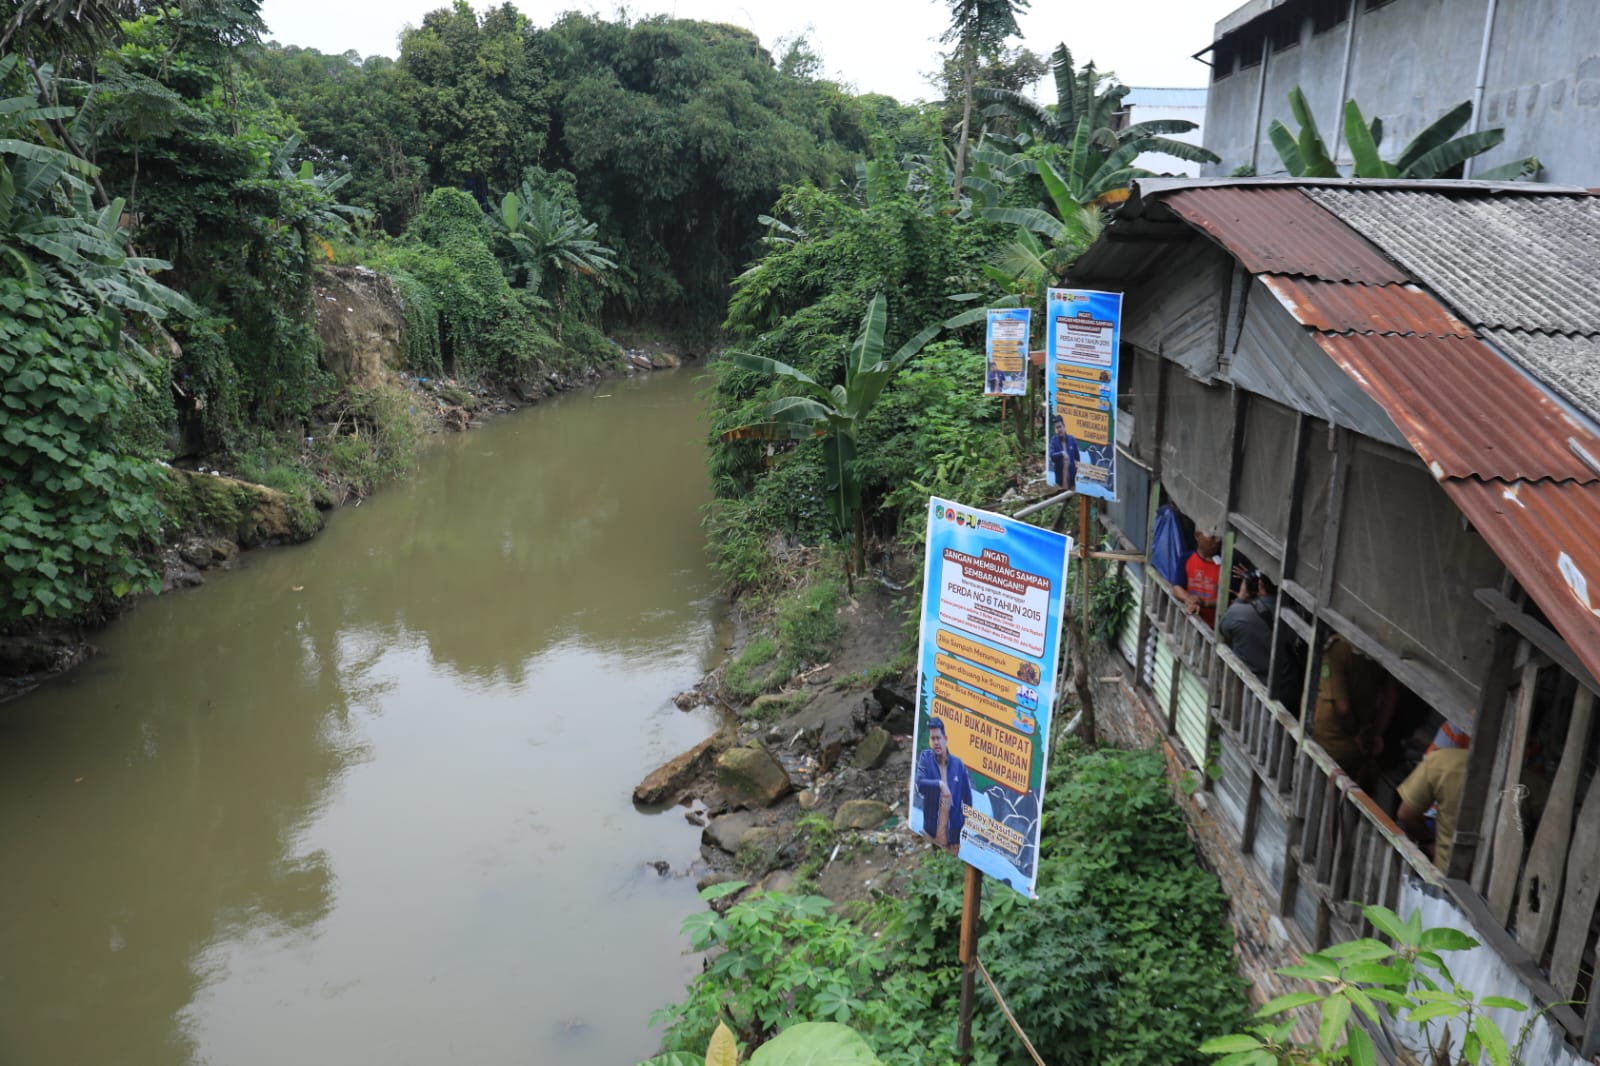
x: 1202, y: 571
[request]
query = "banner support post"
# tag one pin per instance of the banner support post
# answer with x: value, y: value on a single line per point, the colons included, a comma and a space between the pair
x: 971, y: 898
x: 1083, y: 567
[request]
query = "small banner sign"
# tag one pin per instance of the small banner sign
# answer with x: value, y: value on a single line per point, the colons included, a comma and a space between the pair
x: 993, y: 589
x: 1081, y: 341
x: 1006, y: 370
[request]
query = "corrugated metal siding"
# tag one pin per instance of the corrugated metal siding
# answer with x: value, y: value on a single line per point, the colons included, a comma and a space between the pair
x: 1528, y: 262
x: 1548, y: 535
x: 1278, y: 358
x: 1465, y: 410
x: 1161, y: 662
x: 1191, y: 721
x: 1335, y: 307
x: 1128, y: 636
x: 1276, y: 230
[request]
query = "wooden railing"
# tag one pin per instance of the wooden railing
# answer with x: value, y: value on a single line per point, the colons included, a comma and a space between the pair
x: 1189, y: 638
x: 1264, y: 730
x: 1341, y: 846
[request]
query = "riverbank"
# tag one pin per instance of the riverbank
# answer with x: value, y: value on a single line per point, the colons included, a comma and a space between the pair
x: 807, y: 788
x: 217, y: 509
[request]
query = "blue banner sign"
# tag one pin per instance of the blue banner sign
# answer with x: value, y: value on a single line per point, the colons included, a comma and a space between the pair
x: 1083, y: 332
x: 993, y: 590
x: 1006, y: 369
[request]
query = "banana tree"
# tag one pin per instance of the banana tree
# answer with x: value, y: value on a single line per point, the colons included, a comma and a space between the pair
x: 1433, y: 153
x: 1083, y: 124
x: 835, y: 412
x: 552, y: 239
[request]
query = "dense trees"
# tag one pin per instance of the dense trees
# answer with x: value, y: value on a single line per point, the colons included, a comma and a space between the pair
x: 514, y: 181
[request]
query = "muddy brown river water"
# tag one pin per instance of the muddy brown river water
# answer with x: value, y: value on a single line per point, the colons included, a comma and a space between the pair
x: 366, y: 800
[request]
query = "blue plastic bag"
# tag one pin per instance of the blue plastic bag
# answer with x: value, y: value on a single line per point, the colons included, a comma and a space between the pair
x: 1166, y: 545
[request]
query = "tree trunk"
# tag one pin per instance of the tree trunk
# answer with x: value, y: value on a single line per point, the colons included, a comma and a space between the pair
x: 1087, y: 728
x: 859, y: 521
x: 966, y: 115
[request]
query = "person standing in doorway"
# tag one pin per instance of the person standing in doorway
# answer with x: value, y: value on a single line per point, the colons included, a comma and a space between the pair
x: 943, y: 788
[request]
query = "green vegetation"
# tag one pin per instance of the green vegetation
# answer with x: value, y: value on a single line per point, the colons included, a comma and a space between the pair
x: 1079, y: 136
x: 806, y: 1044
x: 1437, y: 152
x: 1125, y: 958
x: 804, y: 627
x: 1406, y: 980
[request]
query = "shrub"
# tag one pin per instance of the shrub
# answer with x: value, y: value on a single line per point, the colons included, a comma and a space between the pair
x: 75, y: 509
x: 1124, y: 959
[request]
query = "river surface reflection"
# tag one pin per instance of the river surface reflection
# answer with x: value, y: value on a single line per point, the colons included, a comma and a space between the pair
x: 366, y: 800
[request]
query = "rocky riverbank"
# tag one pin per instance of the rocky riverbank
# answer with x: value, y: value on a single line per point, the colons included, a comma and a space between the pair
x: 816, y: 798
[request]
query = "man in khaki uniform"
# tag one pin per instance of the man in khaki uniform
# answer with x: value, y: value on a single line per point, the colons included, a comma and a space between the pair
x: 1355, y: 702
x: 1437, y: 779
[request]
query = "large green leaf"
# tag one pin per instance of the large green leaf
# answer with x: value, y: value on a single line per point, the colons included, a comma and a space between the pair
x: 1190, y: 153
x: 1029, y: 218
x: 1453, y: 153
x: 815, y: 1044
x: 1313, y: 152
x: 1363, y: 149
x: 1054, y: 184
x: 867, y: 348
x: 1438, y: 133
x: 914, y: 345
x: 1288, y: 148
x: 762, y: 365
x: 1517, y: 168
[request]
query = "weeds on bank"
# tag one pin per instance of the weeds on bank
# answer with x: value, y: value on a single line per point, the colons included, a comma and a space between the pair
x: 805, y: 628
x: 1124, y: 958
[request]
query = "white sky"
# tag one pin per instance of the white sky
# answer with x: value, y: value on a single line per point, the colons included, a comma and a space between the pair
x: 884, y: 46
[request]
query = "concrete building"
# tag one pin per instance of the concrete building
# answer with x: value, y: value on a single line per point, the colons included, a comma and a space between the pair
x: 1384, y: 396
x: 1531, y: 67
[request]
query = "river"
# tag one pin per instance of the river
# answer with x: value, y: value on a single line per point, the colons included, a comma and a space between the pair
x: 366, y: 800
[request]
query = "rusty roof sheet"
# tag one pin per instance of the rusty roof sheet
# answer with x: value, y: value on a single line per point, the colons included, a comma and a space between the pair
x: 1569, y: 365
x: 1334, y: 307
x: 1545, y: 533
x: 1466, y: 411
x: 1527, y: 262
x: 1277, y: 230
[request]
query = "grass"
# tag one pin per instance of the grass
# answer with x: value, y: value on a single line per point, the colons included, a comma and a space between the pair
x: 805, y: 629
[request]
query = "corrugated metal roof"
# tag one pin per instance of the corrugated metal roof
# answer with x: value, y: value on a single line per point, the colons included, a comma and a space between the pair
x: 1334, y: 307
x: 1569, y: 365
x: 1545, y: 534
x: 1276, y: 230
x: 1527, y: 262
x: 1466, y: 411
x: 1519, y: 263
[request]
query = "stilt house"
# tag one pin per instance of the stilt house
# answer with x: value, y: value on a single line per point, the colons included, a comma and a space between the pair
x: 1384, y: 396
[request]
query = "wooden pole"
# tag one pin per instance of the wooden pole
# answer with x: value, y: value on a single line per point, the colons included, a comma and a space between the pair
x: 1083, y: 563
x: 971, y: 898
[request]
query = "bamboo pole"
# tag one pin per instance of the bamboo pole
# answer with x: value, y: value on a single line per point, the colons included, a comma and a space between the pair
x: 971, y: 899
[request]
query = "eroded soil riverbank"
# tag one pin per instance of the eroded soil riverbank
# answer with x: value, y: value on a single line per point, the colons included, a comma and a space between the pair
x: 217, y: 515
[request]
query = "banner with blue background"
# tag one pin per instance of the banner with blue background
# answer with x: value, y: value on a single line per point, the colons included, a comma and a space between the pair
x: 1005, y: 371
x: 1082, y: 333
x: 993, y: 591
